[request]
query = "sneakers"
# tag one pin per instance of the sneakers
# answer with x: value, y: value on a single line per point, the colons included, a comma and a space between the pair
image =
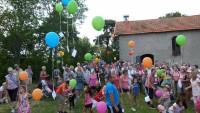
x: 133, y: 109
x: 122, y: 110
x: 13, y: 110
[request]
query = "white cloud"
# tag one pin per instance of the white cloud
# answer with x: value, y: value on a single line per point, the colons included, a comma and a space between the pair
x: 136, y: 9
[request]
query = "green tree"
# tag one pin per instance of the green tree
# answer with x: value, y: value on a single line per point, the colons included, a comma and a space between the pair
x: 173, y: 14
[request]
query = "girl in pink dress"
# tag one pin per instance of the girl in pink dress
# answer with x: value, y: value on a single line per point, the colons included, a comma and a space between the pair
x: 88, y: 100
x: 23, y: 102
x: 93, y: 80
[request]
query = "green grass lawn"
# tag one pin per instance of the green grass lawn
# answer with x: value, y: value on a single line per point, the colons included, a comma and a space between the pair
x: 50, y: 106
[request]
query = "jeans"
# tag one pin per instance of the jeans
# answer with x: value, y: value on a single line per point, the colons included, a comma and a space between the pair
x: 111, y: 109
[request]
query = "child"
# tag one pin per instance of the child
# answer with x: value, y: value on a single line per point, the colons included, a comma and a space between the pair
x: 178, y: 107
x: 100, y: 95
x: 62, y: 91
x: 3, y: 94
x: 165, y: 98
x: 135, y: 89
x: 23, y: 102
x: 88, y: 100
x: 161, y: 109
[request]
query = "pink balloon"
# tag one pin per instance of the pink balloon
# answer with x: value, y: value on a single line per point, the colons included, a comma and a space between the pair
x: 101, y: 107
x: 197, y: 106
x: 158, y: 93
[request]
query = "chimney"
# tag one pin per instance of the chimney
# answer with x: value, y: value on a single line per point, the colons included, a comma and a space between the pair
x: 126, y: 17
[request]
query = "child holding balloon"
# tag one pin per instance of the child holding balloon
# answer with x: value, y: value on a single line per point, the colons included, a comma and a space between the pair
x: 23, y: 102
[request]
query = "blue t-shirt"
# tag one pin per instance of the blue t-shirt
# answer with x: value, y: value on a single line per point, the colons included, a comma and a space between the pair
x: 111, y: 89
x: 136, y: 88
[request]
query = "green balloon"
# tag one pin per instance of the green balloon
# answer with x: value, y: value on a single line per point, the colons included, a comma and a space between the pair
x: 72, y: 7
x: 98, y: 23
x: 88, y: 56
x: 159, y: 72
x: 72, y: 83
x: 181, y: 40
x: 59, y: 7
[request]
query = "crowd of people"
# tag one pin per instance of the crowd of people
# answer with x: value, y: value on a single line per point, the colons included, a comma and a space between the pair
x: 173, y: 89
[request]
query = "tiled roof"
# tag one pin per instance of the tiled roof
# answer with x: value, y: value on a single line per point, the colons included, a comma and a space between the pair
x: 157, y: 25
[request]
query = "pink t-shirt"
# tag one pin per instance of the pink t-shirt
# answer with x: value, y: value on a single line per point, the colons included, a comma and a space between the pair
x: 92, y: 80
x: 88, y: 99
x: 124, y: 82
x: 116, y: 81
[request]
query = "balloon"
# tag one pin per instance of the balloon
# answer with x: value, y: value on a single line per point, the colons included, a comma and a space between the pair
x: 131, y: 53
x: 197, y: 106
x: 37, y: 94
x: 61, y: 53
x: 65, y: 2
x: 98, y: 23
x: 97, y: 60
x: 59, y: 7
x: 88, y: 56
x: 72, y: 7
x: 23, y: 75
x: 181, y: 40
x: 52, y: 39
x: 158, y: 93
x: 131, y: 44
x: 101, y: 107
x: 159, y: 72
x: 72, y: 83
x: 147, y: 62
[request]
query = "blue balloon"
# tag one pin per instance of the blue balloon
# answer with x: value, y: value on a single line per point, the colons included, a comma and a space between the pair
x: 65, y: 2
x: 52, y: 39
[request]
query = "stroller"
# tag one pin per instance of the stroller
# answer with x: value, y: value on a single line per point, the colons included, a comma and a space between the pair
x: 47, y: 92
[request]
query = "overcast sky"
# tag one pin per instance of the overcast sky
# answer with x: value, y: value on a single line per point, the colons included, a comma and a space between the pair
x: 136, y: 9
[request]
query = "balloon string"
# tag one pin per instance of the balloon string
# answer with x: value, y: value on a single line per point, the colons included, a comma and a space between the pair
x: 53, y: 50
x: 67, y: 31
x: 60, y: 21
x: 73, y: 30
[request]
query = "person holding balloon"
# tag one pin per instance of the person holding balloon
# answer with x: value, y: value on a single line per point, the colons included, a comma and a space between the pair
x: 165, y: 97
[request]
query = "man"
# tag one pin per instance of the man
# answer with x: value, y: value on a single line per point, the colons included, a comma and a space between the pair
x: 112, y: 96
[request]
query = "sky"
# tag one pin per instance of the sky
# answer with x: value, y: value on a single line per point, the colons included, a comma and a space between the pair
x: 136, y: 9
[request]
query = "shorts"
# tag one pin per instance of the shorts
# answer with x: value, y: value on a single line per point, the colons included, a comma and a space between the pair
x: 13, y: 94
x: 89, y: 106
x: 61, y: 99
x: 125, y: 90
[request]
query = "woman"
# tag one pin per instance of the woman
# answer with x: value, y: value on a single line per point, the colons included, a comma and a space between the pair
x: 195, y: 85
x: 176, y: 75
x: 149, y: 85
x: 43, y: 73
x: 12, y: 84
x: 125, y: 85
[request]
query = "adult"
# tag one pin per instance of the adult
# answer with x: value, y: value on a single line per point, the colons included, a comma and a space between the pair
x: 195, y: 85
x: 30, y: 74
x: 112, y: 96
x: 12, y: 84
x: 17, y: 70
x: 43, y: 73
x: 149, y: 85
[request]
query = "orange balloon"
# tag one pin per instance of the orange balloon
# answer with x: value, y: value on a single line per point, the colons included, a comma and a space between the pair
x: 37, y: 94
x: 23, y: 75
x: 147, y: 62
x: 131, y: 53
x: 131, y: 44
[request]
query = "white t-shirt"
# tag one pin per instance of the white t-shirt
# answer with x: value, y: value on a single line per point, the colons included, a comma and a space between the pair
x: 195, y: 87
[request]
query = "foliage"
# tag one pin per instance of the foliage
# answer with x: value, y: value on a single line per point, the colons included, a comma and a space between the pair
x: 171, y: 15
x: 23, y: 25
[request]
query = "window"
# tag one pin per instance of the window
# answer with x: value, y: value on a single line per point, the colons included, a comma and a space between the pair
x: 176, y: 49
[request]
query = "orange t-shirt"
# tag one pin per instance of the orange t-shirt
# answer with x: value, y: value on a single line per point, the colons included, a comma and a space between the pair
x: 62, y: 89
